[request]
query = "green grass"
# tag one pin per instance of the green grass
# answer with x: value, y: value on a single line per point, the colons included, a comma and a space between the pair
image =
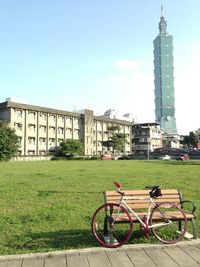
x: 47, y: 206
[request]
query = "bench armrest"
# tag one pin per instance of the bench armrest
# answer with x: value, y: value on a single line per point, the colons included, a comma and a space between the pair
x: 192, y: 203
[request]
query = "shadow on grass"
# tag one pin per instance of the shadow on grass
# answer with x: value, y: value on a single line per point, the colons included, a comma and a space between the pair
x: 63, y: 240
x: 48, y: 241
x: 45, y: 193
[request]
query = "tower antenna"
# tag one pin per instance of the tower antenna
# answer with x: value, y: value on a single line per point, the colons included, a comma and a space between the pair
x: 161, y: 10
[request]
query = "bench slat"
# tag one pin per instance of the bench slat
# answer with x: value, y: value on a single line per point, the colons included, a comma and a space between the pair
x: 170, y: 215
x: 159, y: 199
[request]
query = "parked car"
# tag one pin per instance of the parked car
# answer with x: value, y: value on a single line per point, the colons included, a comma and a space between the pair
x: 124, y: 157
x: 165, y: 157
x: 183, y: 157
x: 106, y: 156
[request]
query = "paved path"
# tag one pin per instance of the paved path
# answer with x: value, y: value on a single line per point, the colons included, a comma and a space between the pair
x: 182, y: 254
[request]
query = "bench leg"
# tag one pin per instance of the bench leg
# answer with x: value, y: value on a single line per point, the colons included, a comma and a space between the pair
x: 105, y: 227
x: 194, y: 229
x: 179, y: 226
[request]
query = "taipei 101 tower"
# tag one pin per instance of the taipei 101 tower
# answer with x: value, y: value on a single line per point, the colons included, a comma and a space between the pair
x: 164, y: 79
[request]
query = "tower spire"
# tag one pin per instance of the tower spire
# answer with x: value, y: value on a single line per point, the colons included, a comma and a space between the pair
x: 162, y: 23
x: 161, y: 10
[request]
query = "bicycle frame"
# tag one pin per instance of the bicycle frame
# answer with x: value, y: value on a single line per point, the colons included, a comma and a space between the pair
x: 148, y: 200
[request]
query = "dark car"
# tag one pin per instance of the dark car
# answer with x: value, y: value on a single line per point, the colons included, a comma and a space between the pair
x: 183, y: 157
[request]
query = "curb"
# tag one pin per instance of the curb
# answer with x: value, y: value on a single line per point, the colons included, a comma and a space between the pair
x: 95, y: 250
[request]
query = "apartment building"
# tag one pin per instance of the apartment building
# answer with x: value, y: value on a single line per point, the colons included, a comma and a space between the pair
x: 146, y: 137
x: 41, y: 129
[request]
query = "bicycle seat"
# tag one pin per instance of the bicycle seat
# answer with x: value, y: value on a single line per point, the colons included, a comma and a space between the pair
x: 155, y: 191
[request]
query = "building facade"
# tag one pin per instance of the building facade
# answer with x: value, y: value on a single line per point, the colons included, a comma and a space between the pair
x: 164, y: 79
x: 40, y: 130
x: 146, y: 137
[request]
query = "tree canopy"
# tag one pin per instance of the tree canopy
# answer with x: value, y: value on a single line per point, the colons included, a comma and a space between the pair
x: 9, y: 143
x: 116, y: 140
x: 70, y: 148
x: 190, y: 140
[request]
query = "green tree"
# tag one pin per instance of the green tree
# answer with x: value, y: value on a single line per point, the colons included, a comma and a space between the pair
x: 70, y: 148
x: 190, y: 140
x: 9, y: 143
x: 116, y: 140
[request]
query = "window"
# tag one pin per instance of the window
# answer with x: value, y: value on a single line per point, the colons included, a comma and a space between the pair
x: 43, y: 128
x: 18, y: 113
x: 60, y: 130
x: 32, y: 114
x: 69, y: 131
x: 42, y: 152
x: 31, y: 140
x: 18, y: 126
x: 61, y: 118
x: 69, y: 120
x: 52, y: 117
x: 52, y: 141
x: 42, y: 141
x: 43, y: 115
x: 20, y: 140
x: 31, y: 152
x: 32, y: 127
x: 76, y: 131
x: 52, y: 129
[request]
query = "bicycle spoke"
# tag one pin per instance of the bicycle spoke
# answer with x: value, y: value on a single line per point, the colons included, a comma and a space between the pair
x: 107, y: 228
x: 165, y: 223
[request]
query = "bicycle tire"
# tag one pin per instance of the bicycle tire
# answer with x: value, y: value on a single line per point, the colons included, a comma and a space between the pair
x: 173, y: 232
x: 107, y: 230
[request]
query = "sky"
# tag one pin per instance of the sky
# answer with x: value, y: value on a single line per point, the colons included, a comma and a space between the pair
x: 98, y: 54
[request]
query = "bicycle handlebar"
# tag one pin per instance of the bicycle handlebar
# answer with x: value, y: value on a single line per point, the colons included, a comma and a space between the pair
x: 118, y: 185
x: 155, y: 190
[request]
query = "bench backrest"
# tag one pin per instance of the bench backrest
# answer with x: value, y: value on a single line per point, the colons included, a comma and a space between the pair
x: 168, y: 195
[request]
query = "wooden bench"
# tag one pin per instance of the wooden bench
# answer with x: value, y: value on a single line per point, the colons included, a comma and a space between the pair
x: 140, y: 206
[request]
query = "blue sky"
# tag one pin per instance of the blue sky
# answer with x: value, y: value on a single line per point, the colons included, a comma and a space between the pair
x: 98, y: 54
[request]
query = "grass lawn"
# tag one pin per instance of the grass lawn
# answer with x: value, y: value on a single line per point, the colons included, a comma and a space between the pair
x: 48, y: 206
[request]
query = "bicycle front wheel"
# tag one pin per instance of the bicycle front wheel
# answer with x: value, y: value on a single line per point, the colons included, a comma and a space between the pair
x: 111, y: 225
x: 168, y: 222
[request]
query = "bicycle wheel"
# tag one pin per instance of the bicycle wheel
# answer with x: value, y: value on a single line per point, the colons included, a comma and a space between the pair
x: 172, y: 229
x: 107, y: 225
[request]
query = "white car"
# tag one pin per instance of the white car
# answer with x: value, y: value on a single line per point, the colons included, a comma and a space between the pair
x: 165, y: 157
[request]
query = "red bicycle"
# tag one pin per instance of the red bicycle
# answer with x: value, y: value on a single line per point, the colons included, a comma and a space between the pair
x: 112, y: 224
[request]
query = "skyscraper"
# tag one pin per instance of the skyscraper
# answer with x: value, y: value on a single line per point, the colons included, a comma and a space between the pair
x: 164, y: 79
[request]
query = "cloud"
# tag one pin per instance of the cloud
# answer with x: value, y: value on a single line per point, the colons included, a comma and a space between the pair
x: 127, y: 64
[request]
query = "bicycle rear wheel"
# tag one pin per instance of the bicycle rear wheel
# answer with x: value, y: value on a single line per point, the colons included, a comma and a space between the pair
x: 172, y: 230
x: 107, y: 225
